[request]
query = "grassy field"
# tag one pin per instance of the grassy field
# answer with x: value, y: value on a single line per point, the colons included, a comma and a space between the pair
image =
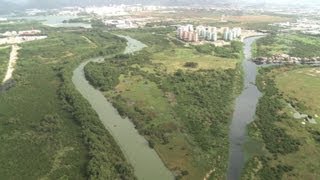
x: 44, y: 137
x: 299, y: 85
x: 4, y: 60
x: 158, y: 106
x: 177, y: 58
x: 297, y: 45
x: 177, y: 109
x: 304, y: 85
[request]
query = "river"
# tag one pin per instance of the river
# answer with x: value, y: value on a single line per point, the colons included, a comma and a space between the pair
x: 146, y: 162
x: 244, y: 113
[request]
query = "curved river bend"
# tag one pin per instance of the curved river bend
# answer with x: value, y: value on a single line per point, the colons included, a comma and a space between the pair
x: 244, y: 113
x: 147, y: 164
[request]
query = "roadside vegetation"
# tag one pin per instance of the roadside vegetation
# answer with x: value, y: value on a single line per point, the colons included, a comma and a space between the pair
x: 180, y: 99
x: 4, y: 60
x: 47, y: 130
x: 278, y: 142
x: 296, y: 45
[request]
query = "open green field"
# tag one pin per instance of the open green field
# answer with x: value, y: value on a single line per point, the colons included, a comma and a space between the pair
x: 4, y: 60
x: 179, y: 109
x: 302, y: 84
x: 296, y: 45
x: 177, y: 58
x: 47, y: 130
x: 158, y: 107
x: 171, y: 55
x: 293, y: 153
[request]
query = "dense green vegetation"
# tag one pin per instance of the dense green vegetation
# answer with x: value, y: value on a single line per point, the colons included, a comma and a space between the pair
x: 4, y: 60
x: 268, y: 112
x: 47, y: 129
x: 296, y: 45
x: 279, y: 139
x: 233, y: 50
x: 178, y: 112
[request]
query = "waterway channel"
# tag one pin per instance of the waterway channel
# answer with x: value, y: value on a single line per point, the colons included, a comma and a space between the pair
x: 146, y: 162
x: 244, y: 113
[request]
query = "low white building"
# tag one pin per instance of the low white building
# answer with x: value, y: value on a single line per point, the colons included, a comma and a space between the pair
x: 121, y: 24
x: 106, y: 10
x: 3, y: 19
x: 29, y: 32
x: 10, y: 33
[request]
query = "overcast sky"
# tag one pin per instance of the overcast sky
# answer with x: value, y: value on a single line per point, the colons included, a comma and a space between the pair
x: 53, y: 2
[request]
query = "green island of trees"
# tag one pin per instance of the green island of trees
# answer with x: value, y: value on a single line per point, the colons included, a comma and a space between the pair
x: 293, y: 44
x: 183, y: 112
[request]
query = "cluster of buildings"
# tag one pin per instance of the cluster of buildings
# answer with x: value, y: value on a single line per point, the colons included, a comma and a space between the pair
x: 21, y: 33
x: 14, y: 37
x: 208, y: 33
x: 303, y: 25
x: 121, y: 24
x: 127, y: 22
x: 187, y: 33
x: 104, y: 11
x: 287, y: 59
x: 231, y: 34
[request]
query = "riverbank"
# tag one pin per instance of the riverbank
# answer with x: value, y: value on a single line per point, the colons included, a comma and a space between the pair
x: 278, y: 138
x: 145, y: 161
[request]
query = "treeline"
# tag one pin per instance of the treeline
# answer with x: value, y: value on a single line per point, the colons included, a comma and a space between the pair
x: 268, y: 112
x: 276, y: 140
x: 234, y: 50
x: 204, y: 100
x: 266, y: 172
x: 106, y: 43
x: 105, y: 76
x: 263, y: 46
x: 305, y: 49
x: 205, y: 108
x: 295, y: 45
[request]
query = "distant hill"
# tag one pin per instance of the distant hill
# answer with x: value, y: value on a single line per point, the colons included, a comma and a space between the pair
x: 9, y: 5
x: 61, y: 3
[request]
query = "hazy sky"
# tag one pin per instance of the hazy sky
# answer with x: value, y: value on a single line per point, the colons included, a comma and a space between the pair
x: 256, y: 1
x: 157, y: 1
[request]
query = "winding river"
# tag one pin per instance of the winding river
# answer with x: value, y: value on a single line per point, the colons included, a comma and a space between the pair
x: 146, y: 162
x: 244, y: 113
